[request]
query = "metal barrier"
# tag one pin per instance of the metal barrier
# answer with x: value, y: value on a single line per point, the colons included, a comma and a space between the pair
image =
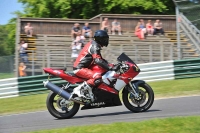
x: 165, y: 70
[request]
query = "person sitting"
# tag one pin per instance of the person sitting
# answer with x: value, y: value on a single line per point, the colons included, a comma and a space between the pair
x: 149, y: 28
x: 22, y: 51
x: 158, y: 28
x: 142, y: 26
x: 139, y: 32
x: 76, y: 46
x: 75, y: 30
x: 116, y: 27
x: 80, y: 39
x: 105, y: 25
x: 28, y: 29
x: 86, y: 30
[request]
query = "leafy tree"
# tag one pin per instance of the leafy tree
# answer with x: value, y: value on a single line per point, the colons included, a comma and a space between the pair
x: 90, y: 8
x: 4, y: 50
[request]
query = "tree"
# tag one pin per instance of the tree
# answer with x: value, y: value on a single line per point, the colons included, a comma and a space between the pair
x: 4, y: 50
x: 90, y: 8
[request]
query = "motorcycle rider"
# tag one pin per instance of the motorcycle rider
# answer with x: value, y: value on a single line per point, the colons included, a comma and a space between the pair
x: 89, y: 55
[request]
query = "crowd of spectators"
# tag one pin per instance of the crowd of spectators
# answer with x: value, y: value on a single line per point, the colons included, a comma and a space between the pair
x: 115, y: 26
x: 148, y: 29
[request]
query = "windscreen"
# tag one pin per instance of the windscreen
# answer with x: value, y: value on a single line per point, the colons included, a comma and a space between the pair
x: 124, y: 57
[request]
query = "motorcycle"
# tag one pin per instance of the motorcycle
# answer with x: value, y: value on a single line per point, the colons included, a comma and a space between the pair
x: 136, y: 95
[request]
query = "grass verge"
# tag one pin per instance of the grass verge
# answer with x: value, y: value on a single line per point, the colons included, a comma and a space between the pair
x: 6, y: 75
x: 168, y: 125
x: 162, y: 89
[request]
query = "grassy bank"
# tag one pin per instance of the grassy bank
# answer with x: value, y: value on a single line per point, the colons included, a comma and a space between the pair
x: 161, y: 89
x: 167, y: 125
x: 6, y: 75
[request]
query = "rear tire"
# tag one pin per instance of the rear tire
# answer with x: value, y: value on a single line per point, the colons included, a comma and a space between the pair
x: 53, y: 107
x: 139, y: 105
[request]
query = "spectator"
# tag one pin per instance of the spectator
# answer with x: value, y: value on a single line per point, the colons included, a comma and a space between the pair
x: 149, y: 28
x: 158, y: 28
x: 116, y: 27
x: 80, y: 39
x: 86, y: 31
x: 142, y: 26
x: 28, y: 30
x: 105, y: 25
x: 76, y: 46
x: 22, y: 51
x: 75, y: 30
x: 139, y: 32
x: 22, y: 68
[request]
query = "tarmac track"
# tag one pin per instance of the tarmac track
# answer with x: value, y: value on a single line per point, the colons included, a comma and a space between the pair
x: 162, y: 108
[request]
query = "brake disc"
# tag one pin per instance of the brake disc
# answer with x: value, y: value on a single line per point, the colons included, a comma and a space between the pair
x: 141, y: 99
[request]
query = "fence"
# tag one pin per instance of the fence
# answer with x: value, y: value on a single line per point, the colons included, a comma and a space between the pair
x: 191, y: 9
x: 7, y: 66
x: 191, y: 32
x: 166, y: 70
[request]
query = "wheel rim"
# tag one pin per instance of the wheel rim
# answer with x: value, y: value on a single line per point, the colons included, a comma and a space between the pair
x: 142, y: 100
x: 56, y: 104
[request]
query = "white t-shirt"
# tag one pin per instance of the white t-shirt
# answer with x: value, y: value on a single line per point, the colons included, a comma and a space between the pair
x: 23, y: 47
x: 75, y: 50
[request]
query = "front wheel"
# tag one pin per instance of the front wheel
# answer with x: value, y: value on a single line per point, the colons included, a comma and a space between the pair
x: 141, y: 104
x: 55, y: 109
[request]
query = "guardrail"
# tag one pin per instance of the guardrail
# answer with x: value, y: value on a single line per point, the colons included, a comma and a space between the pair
x: 165, y: 70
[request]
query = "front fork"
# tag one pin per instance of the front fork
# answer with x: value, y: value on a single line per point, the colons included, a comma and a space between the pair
x: 134, y: 87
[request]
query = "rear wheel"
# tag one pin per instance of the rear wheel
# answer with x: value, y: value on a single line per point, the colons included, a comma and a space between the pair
x: 55, y: 109
x: 141, y: 104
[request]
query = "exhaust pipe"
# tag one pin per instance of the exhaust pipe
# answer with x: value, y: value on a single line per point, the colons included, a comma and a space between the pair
x: 57, y: 90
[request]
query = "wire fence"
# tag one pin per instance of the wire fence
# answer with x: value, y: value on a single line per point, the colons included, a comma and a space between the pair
x: 190, y: 9
x: 7, y: 66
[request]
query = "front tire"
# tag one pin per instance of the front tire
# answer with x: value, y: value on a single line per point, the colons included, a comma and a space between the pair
x: 55, y: 110
x: 143, y: 103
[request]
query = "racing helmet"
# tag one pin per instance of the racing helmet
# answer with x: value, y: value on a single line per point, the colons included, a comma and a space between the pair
x: 101, y: 37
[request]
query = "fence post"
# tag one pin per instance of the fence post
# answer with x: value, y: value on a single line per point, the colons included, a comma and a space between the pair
x: 150, y: 53
x: 161, y: 52
x: 33, y: 64
x: 136, y: 52
x: 178, y: 33
x: 17, y: 39
x: 48, y: 58
x: 171, y: 52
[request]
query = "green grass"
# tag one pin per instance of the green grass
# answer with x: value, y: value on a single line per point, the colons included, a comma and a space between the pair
x: 162, y: 89
x: 179, y: 87
x: 167, y: 125
x: 6, y: 75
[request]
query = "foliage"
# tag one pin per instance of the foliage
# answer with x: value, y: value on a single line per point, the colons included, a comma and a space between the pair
x: 4, y: 48
x: 90, y: 8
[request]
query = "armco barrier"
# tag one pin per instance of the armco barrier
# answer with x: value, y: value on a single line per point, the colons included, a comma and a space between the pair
x: 187, y: 68
x: 166, y: 70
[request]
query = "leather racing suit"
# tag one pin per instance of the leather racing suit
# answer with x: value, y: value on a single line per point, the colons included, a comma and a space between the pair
x: 89, y: 55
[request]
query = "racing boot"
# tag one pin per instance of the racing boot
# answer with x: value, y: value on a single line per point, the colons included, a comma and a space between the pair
x: 77, y: 91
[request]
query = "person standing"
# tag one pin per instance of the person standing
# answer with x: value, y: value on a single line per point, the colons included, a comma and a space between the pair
x: 22, y: 72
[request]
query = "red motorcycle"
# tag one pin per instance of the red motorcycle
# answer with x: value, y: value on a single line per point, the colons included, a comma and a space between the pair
x: 137, y: 95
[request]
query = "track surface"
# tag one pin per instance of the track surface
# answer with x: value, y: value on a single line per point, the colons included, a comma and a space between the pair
x: 162, y: 108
